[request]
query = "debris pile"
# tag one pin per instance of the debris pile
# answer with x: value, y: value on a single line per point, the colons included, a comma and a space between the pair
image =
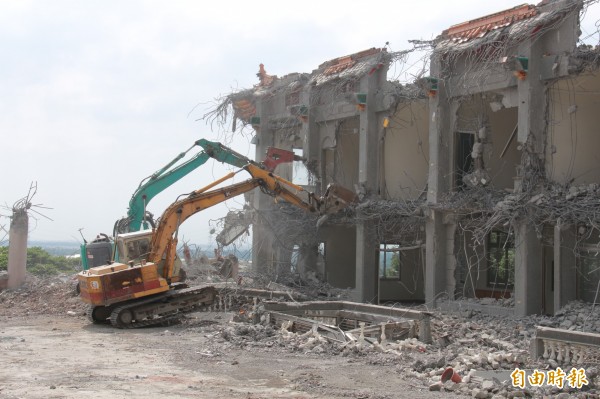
x: 55, y: 296
x: 482, y: 350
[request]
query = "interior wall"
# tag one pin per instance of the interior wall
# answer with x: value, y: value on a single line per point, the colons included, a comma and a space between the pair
x: 346, y: 154
x: 340, y: 255
x: 411, y: 285
x: 406, y: 151
x: 573, y: 139
x: 502, y: 169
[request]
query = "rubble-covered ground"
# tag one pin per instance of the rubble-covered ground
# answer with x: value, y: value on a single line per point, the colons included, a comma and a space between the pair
x: 482, y: 349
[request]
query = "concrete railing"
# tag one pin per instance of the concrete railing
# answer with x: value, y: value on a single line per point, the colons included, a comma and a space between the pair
x: 373, y: 314
x: 565, y: 346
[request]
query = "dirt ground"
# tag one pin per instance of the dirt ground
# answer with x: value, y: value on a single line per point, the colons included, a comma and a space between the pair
x: 68, y: 357
x: 49, y: 349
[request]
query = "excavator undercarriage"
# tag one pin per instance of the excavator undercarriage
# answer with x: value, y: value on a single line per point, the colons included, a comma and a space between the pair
x: 154, y: 310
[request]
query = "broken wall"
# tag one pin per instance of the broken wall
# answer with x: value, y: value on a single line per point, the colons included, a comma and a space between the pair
x: 495, y: 131
x: 345, y: 157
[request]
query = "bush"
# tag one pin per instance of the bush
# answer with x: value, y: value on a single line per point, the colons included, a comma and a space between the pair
x: 41, y: 263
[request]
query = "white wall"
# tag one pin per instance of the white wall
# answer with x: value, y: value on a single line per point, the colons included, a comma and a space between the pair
x: 573, y: 147
x: 406, y: 151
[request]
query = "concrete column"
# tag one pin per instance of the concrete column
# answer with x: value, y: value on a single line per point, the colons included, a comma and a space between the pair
x: 450, y: 259
x: 565, y: 266
x: 532, y: 99
x: 435, y: 255
x: 262, y: 237
x: 528, y: 289
x: 367, y: 275
x: 441, y: 133
x: 312, y: 140
x: 440, y: 175
x: 528, y: 270
x: 17, y: 248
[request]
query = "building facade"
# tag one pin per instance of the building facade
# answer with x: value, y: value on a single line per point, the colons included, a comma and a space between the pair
x: 479, y: 180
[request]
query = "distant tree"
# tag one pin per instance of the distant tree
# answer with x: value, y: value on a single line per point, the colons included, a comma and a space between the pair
x: 40, y: 262
x: 393, y: 271
x: 3, y: 258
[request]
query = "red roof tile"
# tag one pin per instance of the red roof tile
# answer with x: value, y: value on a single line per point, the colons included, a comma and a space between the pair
x: 264, y: 78
x: 340, y: 64
x: 481, y: 26
x: 244, y: 109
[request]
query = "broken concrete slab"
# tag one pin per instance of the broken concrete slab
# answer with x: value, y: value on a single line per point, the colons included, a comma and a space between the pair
x: 348, y: 315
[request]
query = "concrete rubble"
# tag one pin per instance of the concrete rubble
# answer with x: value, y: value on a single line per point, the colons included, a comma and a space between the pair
x: 482, y: 349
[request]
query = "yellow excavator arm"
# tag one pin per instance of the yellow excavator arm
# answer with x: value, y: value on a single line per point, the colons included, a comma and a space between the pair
x: 136, y: 295
x: 164, y: 239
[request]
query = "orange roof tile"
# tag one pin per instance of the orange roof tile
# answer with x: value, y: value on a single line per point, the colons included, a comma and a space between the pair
x: 340, y: 64
x: 264, y: 78
x: 244, y: 109
x: 481, y: 26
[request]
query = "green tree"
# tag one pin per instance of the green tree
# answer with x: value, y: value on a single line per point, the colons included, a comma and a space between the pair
x: 3, y: 258
x: 41, y: 263
x: 393, y: 270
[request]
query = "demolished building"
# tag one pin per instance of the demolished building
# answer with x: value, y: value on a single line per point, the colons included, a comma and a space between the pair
x: 479, y: 180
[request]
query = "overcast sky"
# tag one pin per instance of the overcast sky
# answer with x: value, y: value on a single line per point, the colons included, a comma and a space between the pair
x: 95, y: 96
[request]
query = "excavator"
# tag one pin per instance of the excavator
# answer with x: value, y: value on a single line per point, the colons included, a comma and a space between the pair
x: 101, y: 249
x: 147, y: 289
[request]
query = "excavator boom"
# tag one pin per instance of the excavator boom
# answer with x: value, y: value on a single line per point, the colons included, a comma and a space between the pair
x: 138, y: 218
x: 164, y: 238
x: 167, y: 176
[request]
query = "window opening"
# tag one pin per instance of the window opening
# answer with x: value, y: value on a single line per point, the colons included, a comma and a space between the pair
x: 464, y: 160
x: 389, y: 261
x: 300, y: 173
x: 321, y: 249
x: 589, y: 276
x: 501, y: 260
x: 294, y: 258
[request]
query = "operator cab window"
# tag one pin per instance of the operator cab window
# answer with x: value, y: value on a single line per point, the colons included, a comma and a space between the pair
x: 137, y: 250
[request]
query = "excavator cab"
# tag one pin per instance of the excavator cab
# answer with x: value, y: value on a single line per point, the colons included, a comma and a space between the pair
x: 135, y: 248
x: 97, y: 252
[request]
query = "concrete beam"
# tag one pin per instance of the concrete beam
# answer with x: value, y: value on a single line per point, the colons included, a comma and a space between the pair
x: 492, y: 77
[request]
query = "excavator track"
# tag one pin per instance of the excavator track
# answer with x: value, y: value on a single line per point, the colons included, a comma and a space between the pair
x: 163, y: 308
x: 98, y: 314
